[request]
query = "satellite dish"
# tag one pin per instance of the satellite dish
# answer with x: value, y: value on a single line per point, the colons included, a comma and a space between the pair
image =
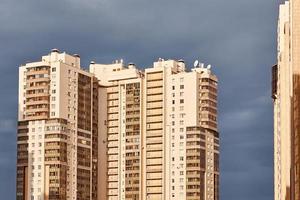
x: 196, y: 63
x: 208, y: 66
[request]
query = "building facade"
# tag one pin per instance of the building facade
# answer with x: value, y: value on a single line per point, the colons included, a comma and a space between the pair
x: 117, y: 132
x: 120, y: 114
x: 57, y: 132
x: 286, y: 96
x: 149, y: 116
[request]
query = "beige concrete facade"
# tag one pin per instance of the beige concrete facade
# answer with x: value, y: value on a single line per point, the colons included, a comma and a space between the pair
x: 282, y: 109
x: 57, y: 133
x: 148, y: 114
x: 120, y: 110
x: 285, y: 92
x: 117, y: 132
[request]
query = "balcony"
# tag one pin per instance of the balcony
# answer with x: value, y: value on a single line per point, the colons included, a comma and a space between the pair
x: 37, y: 102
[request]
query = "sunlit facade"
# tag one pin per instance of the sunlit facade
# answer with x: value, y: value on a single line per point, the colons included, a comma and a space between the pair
x: 117, y: 132
x: 160, y: 132
x: 286, y: 95
x: 57, y: 130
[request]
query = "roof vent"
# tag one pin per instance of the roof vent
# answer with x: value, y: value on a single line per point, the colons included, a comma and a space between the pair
x: 181, y: 60
x: 54, y: 51
x: 92, y: 62
x: 131, y: 65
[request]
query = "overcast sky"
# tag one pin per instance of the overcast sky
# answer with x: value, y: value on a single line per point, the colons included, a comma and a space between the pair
x: 238, y: 37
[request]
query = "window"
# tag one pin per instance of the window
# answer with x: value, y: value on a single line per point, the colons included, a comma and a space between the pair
x: 181, y: 108
x: 181, y: 158
x: 173, y: 87
x: 181, y: 94
x: 173, y: 94
x: 181, y: 172
x: 181, y: 100
x: 181, y: 79
x: 181, y: 136
x: 173, y: 101
x: 53, y: 69
x: 173, y: 109
x: 181, y: 86
x: 53, y: 91
x: 181, y: 130
x: 181, y: 122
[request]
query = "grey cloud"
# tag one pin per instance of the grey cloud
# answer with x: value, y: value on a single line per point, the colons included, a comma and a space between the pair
x: 238, y: 37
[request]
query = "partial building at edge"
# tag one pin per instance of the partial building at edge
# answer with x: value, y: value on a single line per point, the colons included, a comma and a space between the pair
x: 117, y: 132
x: 286, y: 96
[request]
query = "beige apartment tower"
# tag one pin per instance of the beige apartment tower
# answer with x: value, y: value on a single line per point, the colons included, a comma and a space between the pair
x: 157, y: 131
x: 117, y: 132
x: 57, y: 130
x: 286, y: 96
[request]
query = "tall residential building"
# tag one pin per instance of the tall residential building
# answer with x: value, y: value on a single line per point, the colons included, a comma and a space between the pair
x: 286, y: 95
x: 57, y: 150
x: 117, y: 132
x: 157, y: 131
x: 120, y: 125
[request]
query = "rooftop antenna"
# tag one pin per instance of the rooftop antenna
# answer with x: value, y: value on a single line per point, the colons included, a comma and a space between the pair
x: 196, y: 63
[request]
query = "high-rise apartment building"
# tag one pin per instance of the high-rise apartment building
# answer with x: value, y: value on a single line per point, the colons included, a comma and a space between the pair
x: 286, y: 95
x: 160, y: 131
x: 117, y: 132
x: 282, y: 93
x: 57, y: 130
x: 120, y: 128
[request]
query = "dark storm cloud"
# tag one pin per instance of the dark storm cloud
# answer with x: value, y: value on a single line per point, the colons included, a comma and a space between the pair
x: 238, y: 37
